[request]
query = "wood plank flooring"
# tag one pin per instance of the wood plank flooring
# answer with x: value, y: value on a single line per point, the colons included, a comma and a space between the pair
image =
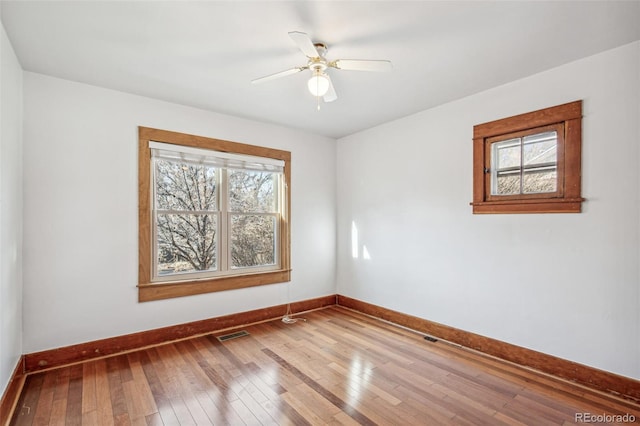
x: 337, y: 367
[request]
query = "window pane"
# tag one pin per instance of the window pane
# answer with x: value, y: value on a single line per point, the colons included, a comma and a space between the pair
x: 536, y: 181
x: 186, y: 243
x: 507, y: 183
x: 505, y: 166
x: 506, y: 154
x: 540, y: 148
x: 252, y: 240
x: 536, y: 173
x: 252, y: 191
x: 185, y: 186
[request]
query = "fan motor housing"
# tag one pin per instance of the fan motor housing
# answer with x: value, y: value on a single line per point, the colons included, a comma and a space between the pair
x: 318, y: 66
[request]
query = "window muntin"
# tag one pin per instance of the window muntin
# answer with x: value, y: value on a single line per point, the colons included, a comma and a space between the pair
x: 202, y: 207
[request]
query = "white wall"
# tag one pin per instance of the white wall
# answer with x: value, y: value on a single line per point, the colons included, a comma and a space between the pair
x: 10, y: 210
x: 563, y: 284
x: 80, y: 213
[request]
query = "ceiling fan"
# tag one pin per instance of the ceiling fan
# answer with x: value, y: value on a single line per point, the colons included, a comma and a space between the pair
x: 320, y: 84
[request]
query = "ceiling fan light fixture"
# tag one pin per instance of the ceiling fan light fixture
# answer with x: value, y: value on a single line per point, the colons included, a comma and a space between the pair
x: 318, y: 84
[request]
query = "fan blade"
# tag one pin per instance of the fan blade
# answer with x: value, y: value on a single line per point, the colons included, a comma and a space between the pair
x: 304, y: 43
x: 278, y: 75
x: 361, y: 65
x: 331, y: 94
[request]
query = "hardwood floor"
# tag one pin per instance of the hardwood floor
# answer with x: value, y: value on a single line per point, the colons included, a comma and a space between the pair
x: 337, y: 367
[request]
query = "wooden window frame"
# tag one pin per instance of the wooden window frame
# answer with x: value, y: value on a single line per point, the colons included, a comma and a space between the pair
x: 567, y: 198
x: 148, y: 290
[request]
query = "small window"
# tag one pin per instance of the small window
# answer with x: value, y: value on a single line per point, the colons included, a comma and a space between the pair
x: 529, y: 163
x: 525, y: 163
x: 215, y: 218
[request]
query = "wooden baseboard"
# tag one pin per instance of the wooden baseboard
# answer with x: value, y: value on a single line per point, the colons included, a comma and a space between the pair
x: 12, y: 392
x: 100, y: 348
x: 593, y: 378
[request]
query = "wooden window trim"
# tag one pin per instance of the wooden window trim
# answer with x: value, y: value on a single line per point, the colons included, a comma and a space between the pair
x: 568, y: 198
x: 147, y: 290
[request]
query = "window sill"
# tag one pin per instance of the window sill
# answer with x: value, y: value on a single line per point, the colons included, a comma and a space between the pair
x: 561, y: 205
x: 158, y: 291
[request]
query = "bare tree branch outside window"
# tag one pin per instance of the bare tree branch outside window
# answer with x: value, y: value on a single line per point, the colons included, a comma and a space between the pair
x: 188, y: 216
x: 252, y: 234
x: 187, y: 232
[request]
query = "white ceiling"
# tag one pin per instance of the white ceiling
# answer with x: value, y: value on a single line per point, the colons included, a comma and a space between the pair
x: 205, y: 53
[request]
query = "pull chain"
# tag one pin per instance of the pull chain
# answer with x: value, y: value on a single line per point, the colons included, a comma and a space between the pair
x: 318, y: 91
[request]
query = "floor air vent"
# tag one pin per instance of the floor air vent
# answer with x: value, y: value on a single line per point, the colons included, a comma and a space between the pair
x: 235, y: 335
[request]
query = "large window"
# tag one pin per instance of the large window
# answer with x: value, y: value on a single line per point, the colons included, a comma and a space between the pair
x: 529, y: 163
x: 212, y: 215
